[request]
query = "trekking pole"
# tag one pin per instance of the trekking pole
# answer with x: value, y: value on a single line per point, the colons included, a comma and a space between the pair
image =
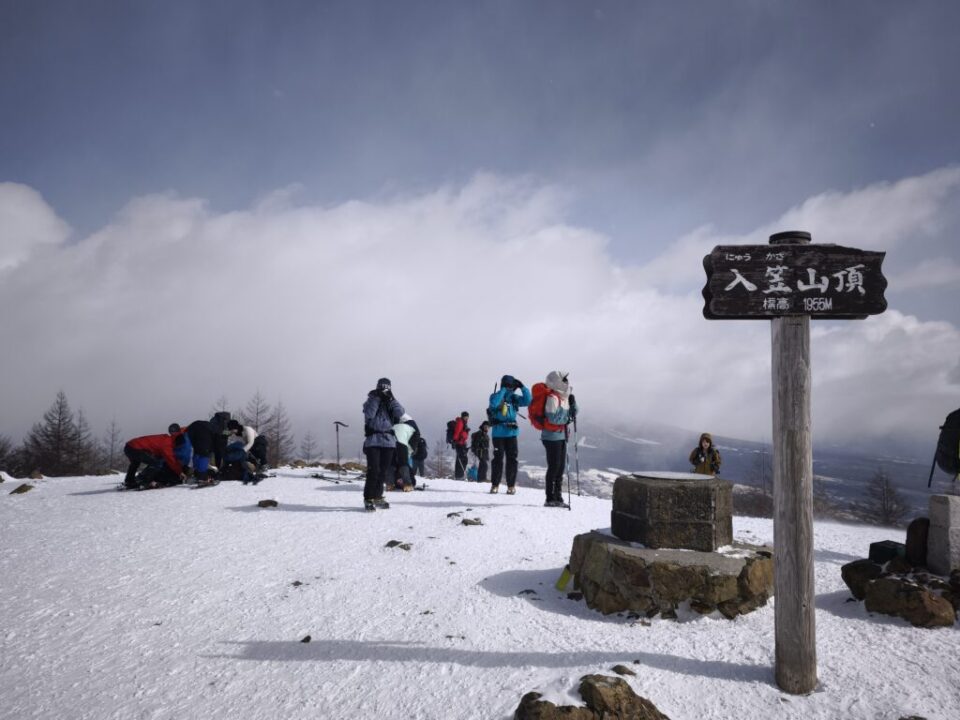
x: 337, y: 424
x: 569, y: 504
x: 576, y: 453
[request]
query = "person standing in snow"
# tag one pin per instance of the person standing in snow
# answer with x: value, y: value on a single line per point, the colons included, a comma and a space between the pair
x: 705, y: 458
x: 502, y: 412
x: 381, y: 412
x: 480, y: 447
x: 419, y: 458
x: 461, y: 438
x: 559, y: 409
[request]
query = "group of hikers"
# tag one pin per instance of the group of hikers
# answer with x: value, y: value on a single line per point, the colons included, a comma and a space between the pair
x: 210, y: 450
x: 224, y: 448
x: 392, y: 438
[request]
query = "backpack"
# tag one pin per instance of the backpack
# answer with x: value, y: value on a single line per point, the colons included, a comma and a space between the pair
x: 421, y: 451
x: 536, y: 412
x: 451, y: 426
x: 948, y: 444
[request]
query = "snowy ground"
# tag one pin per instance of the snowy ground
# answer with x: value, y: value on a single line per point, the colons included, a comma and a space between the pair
x: 179, y: 603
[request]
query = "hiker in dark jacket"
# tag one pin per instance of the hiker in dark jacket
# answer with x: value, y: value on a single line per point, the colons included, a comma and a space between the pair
x: 705, y: 458
x: 203, y: 439
x: 461, y: 438
x: 480, y: 447
x: 381, y: 412
x: 502, y: 412
x: 419, y: 456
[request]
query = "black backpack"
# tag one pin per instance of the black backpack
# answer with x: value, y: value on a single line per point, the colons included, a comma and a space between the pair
x: 948, y: 447
x: 451, y: 426
x: 219, y: 422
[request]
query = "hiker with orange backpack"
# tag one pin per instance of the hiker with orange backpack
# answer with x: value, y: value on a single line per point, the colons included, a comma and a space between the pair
x: 502, y: 414
x: 552, y: 408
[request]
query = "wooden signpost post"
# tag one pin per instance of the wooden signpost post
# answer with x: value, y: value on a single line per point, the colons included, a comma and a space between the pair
x: 788, y: 282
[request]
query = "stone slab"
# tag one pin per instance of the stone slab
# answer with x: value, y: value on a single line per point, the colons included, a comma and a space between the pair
x: 945, y: 510
x: 686, y: 510
x: 943, y: 549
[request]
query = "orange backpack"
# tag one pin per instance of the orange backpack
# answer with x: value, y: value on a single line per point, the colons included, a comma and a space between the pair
x: 536, y: 411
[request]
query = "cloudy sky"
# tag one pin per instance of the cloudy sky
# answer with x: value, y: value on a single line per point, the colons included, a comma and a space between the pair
x: 206, y: 199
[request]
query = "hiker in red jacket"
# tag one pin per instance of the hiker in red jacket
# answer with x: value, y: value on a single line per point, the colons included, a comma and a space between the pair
x: 155, y: 450
x: 461, y: 440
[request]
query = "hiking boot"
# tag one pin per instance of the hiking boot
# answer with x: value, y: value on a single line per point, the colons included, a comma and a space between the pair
x: 408, y: 488
x: 494, y: 489
x: 511, y: 490
x: 380, y: 503
x: 369, y: 506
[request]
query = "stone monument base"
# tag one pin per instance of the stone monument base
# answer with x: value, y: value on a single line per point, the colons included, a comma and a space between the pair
x: 615, y: 576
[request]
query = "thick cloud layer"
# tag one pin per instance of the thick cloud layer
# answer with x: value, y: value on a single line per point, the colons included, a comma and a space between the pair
x: 172, y: 306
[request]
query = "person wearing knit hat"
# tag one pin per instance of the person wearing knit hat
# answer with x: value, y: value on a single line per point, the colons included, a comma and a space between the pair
x: 559, y: 409
x: 381, y: 412
x: 705, y: 458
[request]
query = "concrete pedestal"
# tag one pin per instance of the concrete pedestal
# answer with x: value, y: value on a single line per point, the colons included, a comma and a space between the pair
x: 943, y: 539
x: 673, y: 510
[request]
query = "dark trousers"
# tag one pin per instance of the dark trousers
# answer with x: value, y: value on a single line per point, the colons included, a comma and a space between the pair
x: 418, y: 469
x: 556, y: 464
x: 506, y: 446
x: 137, y: 458
x: 402, y: 463
x: 258, y: 451
x: 379, y: 462
x: 482, y: 469
x: 460, y: 466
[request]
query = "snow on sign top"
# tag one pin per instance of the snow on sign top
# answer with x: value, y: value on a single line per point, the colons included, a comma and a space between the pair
x: 757, y: 282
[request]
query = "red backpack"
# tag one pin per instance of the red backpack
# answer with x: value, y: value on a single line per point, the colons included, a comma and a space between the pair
x: 536, y: 411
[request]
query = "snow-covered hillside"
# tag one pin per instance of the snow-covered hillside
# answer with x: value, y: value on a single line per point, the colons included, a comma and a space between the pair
x: 179, y: 603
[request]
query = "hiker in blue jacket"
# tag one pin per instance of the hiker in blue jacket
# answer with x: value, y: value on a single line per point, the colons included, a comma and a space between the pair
x: 502, y: 413
x: 381, y: 412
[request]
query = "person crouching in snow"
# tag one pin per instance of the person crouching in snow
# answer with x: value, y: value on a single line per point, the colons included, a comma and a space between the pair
x: 160, y: 452
x: 408, y: 438
x: 559, y: 409
x: 705, y: 458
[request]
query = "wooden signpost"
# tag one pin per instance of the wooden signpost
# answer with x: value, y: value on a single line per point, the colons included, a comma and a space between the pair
x: 788, y: 282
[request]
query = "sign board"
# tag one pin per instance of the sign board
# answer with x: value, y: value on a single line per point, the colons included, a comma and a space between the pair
x: 761, y: 282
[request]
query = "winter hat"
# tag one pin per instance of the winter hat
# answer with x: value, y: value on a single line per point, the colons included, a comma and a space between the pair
x: 383, y: 384
x: 558, y: 382
x: 173, y: 428
x: 706, y: 436
x: 507, y: 381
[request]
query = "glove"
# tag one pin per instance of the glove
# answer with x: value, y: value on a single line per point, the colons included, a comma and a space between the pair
x: 517, y: 385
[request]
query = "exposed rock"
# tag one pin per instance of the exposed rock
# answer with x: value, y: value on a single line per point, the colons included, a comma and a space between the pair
x: 306, y: 639
x: 858, y: 574
x: 898, y: 565
x: 902, y: 598
x: 21, y: 489
x: 916, y: 545
x: 398, y: 544
x: 615, y: 576
x: 36, y: 475
x: 471, y: 521
x: 606, y: 698
x: 623, y: 670
x: 267, y: 503
x: 613, y: 697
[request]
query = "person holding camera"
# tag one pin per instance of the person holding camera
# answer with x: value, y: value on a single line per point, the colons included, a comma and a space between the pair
x: 502, y: 414
x: 381, y: 412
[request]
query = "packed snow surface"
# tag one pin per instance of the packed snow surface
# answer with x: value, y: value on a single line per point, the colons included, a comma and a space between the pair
x: 182, y: 603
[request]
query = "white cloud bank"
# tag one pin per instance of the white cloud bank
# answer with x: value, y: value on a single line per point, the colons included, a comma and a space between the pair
x: 172, y: 305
